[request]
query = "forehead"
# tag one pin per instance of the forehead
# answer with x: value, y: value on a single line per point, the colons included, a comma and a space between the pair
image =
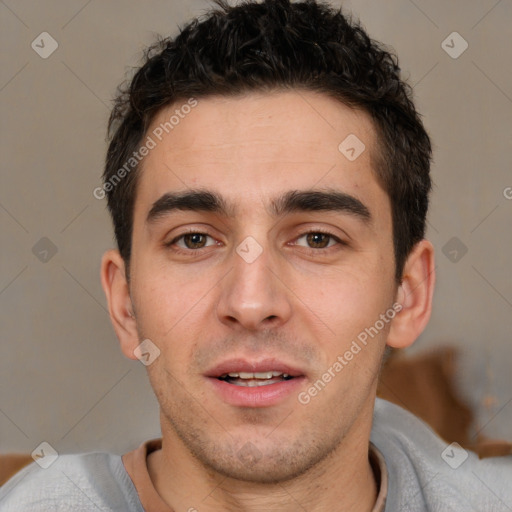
x: 257, y: 146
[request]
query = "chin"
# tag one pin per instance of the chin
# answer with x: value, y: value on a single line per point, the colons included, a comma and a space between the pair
x: 261, y: 462
x: 264, y: 471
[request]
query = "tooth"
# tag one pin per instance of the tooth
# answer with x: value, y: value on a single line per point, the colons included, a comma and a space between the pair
x: 252, y: 383
x: 263, y: 375
x: 256, y: 375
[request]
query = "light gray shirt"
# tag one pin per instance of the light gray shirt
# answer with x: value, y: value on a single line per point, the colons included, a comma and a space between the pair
x: 423, y: 473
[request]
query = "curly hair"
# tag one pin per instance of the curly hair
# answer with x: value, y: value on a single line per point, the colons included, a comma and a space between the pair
x: 267, y: 46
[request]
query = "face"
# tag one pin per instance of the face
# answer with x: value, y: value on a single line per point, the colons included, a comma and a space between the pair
x: 258, y: 298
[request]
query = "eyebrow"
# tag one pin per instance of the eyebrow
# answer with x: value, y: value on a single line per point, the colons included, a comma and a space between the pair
x: 290, y: 202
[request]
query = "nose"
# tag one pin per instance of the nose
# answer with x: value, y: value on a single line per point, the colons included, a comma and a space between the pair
x: 254, y: 295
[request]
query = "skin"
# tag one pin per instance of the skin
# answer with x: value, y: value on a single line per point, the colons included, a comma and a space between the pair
x: 298, y: 302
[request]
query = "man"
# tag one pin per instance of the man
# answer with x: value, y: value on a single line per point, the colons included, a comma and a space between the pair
x: 268, y: 179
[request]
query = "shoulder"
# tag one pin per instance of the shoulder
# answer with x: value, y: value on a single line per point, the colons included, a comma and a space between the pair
x: 427, y: 473
x: 78, y: 482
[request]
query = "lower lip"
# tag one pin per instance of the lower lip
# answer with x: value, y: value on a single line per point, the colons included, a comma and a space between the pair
x: 257, y: 396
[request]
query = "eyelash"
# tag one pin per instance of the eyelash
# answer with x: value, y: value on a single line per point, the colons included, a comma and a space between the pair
x: 199, y: 251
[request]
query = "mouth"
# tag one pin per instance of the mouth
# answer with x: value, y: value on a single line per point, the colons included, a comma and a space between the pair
x: 255, y: 379
x: 244, y: 383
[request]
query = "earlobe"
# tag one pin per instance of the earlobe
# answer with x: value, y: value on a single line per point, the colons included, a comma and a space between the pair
x: 415, y: 296
x: 115, y: 286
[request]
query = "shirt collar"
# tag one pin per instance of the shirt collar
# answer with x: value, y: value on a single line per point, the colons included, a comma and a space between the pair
x: 135, y: 463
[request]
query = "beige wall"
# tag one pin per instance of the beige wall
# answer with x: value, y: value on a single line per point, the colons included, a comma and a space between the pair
x: 62, y: 376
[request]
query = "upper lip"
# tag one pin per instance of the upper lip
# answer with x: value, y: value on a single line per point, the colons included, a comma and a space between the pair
x: 252, y: 366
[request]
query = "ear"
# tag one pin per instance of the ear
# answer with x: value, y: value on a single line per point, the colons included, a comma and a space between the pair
x: 115, y: 286
x: 415, y: 296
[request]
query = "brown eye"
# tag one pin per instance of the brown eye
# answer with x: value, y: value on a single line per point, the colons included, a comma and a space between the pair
x: 319, y: 240
x: 193, y: 240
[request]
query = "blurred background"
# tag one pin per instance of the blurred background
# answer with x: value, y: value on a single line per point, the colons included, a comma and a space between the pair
x: 63, y: 378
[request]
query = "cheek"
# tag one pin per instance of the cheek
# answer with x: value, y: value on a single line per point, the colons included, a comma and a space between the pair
x: 161, y: 298
x: 345, y: 303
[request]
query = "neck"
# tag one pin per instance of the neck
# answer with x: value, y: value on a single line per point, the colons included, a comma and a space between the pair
x: 342, y: 481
